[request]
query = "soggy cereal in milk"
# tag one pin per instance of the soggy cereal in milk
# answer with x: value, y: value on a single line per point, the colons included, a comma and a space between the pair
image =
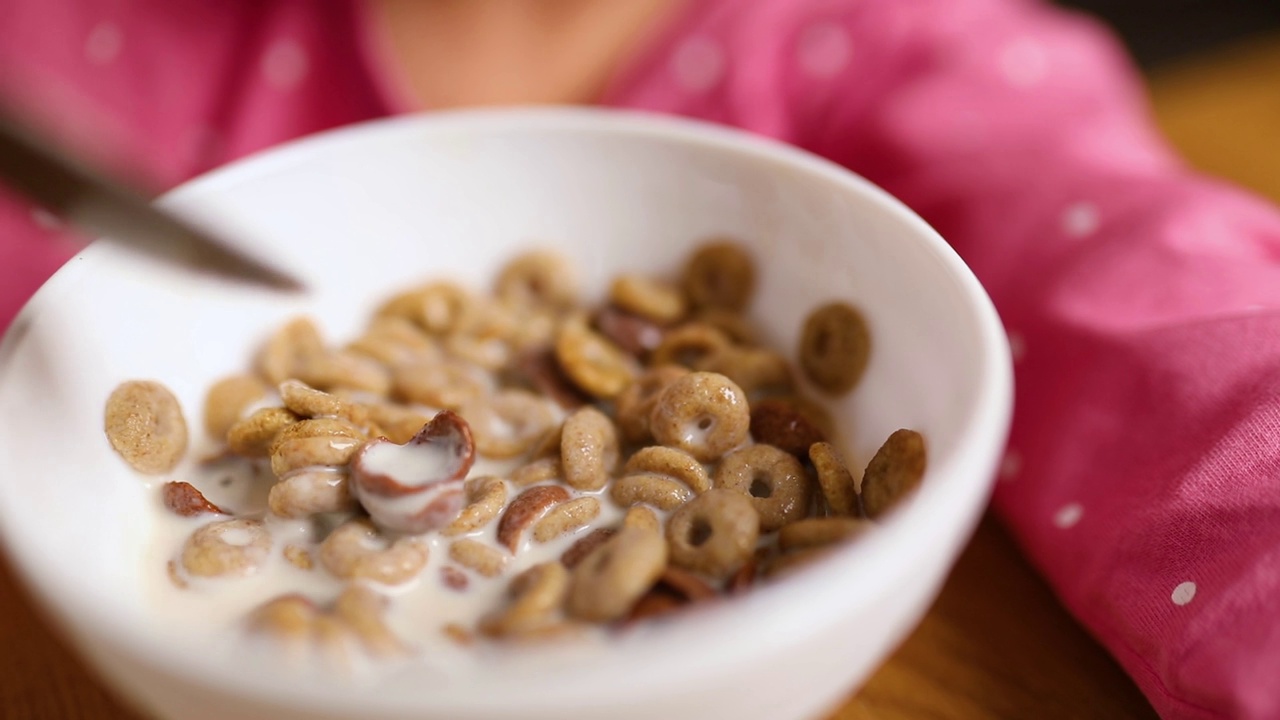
x: 478, y: 468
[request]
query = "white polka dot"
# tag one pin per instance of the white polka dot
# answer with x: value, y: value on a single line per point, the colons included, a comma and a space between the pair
x: 104, y: 43
x: 1023, y: 62
x: 1017, y: 346
x: 1011, y: 465
x: 1068, y: 515
x: 698, y: 64
x: 1080, y: 220
x: 1183, y: 593
x: 45, y: 220
x: 824, y: 50
x: 285, y: 64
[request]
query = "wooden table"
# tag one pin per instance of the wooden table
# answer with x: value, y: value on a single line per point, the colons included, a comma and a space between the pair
x: 996, y: 644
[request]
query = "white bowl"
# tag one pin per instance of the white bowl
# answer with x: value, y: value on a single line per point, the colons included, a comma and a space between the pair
x: 362, y: 211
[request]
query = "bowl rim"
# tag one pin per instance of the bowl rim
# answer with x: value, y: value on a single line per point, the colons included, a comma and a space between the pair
x: 950, y: 509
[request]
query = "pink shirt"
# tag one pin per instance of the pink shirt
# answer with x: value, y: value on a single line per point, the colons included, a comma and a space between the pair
x: 1143, y: 474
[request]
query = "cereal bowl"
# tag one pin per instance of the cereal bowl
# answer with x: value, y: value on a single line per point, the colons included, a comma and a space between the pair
x: 362, y: 211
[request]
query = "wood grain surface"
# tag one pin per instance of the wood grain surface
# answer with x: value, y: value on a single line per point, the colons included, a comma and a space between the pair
x: 996, y: 644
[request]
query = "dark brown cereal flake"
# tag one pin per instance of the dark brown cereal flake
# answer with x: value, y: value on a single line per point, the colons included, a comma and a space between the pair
x: 184, y: 499
x: 835, y: 346
x: 896, y: 470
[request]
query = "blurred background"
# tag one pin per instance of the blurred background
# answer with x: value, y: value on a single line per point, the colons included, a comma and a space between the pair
x: 1161, y: 31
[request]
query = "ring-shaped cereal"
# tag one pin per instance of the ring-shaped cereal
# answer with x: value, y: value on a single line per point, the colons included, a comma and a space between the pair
x: 835, y: 346
x: 689, y: 345
x: 591, y: 361
x: 447, y: 384
x: 588, y: 449
x: 537, y: 278
x: 308, y: 492
x: 651, y: 299
x: 227, y: 548
x: 608, y: 582
x: 633, y: 406
x: 486, y: 496
x: 715, y: 533
x: 755, y: 370
x: 773, y: 479
x: 537, y: 595
x: 660, y: 491
x: 227, y: 401
x: 703, y: 414
x: 673, y: 463
x: 435, y: 307
x: 356, y: 549
x: 720, y: 274
x: 509, y: 422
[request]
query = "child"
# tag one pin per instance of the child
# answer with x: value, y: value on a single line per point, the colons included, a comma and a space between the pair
x: 1140, y: 298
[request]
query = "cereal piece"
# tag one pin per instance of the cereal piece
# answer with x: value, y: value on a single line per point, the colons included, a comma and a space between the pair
x: 475, y: 555
x: 660, y: 491
x: 361, y: 608
x: 585, y: 545
x: 566, y: 517
x: 673, y: 463
x: 591, y: 362
x: 834, y: 478
x: 686, y: 585
x: 538, y: 370
x: 689, y: 345
x: 491, y: 354
x: 651, y: 299
x: 299, y: 557
x: 755, y: 370
x: 436, y: 307
x: 548, y: 446
x: 394, y: 340
x: 775, y: 482
x: 834, y: 348
x: 787, y: 563
x: 525, y: 510
x: 632, y: 334
x: 608, y: 582
x: 227, y: 400
x: 588, y: 449
x: 634, y: 406
x: 308, y: 402
x: 509, y: 422
x: 734, y: 326
x: 288, y: 617
x: 537, y: 278
x: 398, y: 423
x: 144, y: 424
x: 780, y: 423
x: 307, y: 492
x: 288, y: 349
x: 819, y: 532
x: 324, y: 442
x: 459, y: 634
x: 417, y: 486
x: 342, y: 370
x: 184, y: 499
x: 655, y: 604
x: 675, y: 590
x: 704, y: 414
x: 896, y: 470
x: 226, y: 548
x: 453, y: 578
x: 486, y: 496
x: 537, y: 596
x: 175, y: 577
x: 358, y: 550
x: 253, y: 436
x: 714, y: 534
x: 720, y: 275
x: 538, y: 471
x: 741, y: 581
x: 640, y: 516
x: 446, y: 384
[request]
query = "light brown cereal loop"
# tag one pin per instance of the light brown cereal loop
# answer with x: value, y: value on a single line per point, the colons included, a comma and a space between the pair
x: 486, y: 496
x: 592, y: 362
x: 227, y: 548
x: 720, y: 275
x: 732, y: 324
x: 673, y: 463
x: 703, y: 414
x: 320, y: 442
x: 342, y: 370
x: 537, y: 596
x: 774, y: 481
x: 689, y: 345
x: 394, y: 340
x: 566, y: 517
x: 525, y: 510
x: 835, y: 346
x: 398, y: 423
x: 308, y: 402
x: 639, y: 516
x: 289, y: 618
x: 634, y: 406
x: 447, y: 384
x: 834, y: 478
x: 714, y: 534
x: 588, y: 449
x: 537, y: 278
x: 308, y: 492
x: 538, y: 471
x: 651, y: 299
x: 475, y: 555
x: 288, y: 349
x: 357, y: 550
x: 362, y: 610
x: 227, y: 401
x: 436, y: 307
x: 145, y: 426
x: 253, y: 436
x: 820, y: 532
x: 607, y: 582
x: 509, y: 422
x: 660, y: 491
x: 896, y: 470
x: 755, y: 370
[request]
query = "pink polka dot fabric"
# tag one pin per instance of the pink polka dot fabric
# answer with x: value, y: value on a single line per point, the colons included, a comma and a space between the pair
x: 1142, y: 300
